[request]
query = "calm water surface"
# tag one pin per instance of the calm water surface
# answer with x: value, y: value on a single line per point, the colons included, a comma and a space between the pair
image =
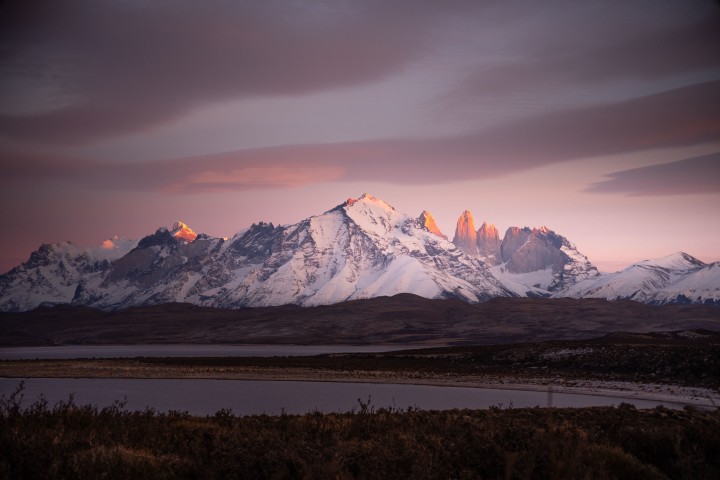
x: 246, y: 397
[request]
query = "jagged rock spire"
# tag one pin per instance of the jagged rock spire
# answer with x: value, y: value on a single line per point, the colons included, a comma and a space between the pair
x: 428, y: 222
x: 465, y: 235
x: 488, y: 243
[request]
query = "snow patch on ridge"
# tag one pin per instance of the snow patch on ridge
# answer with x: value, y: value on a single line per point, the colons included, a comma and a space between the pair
x: 360, y: 249
x: 532, y: 283
x: 676, y: 278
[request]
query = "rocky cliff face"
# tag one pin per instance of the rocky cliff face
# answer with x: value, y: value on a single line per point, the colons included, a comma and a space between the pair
x: 488, y: 244
x: 523, y: 251
x: 540, y: 249
x: 530, y: 250
x: 428, y: 223
x: 465, y: 235
x: 182, y: 231
x: 362, y: 248
x: 514, y: 238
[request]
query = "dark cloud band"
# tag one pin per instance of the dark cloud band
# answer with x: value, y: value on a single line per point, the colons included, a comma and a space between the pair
x: 690, y: 176
x: 128, y: 67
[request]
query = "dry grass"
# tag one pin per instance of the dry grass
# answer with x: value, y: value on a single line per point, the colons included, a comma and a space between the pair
x: 70, y: 441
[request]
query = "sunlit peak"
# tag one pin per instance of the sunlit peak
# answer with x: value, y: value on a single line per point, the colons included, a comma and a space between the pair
x: 180, y: 230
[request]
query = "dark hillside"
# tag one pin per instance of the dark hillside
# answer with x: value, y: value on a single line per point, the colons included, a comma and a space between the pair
x: 402, y: 319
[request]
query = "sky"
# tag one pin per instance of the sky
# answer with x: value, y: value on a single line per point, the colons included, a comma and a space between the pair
x: 599, y: 120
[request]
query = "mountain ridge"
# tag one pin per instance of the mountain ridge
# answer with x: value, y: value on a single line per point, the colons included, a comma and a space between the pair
x: 675, y: 278
x: 361, y: 248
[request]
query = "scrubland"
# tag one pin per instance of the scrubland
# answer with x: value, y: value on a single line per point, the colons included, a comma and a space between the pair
x: 70, y: 441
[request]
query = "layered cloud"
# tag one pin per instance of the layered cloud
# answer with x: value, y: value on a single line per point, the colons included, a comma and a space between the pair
x: 696, y: 175
x: 88, y: 70
x: 80, y: 71
x: 647, y: 56
x: 631, y: 126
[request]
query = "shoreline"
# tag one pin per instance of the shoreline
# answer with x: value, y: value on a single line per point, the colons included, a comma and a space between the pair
x: 694, y: 396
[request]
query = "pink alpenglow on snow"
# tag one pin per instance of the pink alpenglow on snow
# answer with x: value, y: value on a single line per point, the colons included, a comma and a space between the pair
x: 359, y: 249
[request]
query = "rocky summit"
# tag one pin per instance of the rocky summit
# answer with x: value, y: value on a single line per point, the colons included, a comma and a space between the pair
x: 555, y: 262
x: 362, y: 248
x: 488, y: 244
x: 465, y: 235
x: 428, y: 222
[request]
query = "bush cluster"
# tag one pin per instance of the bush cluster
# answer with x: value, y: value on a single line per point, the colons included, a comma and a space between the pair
x: 73, y: 441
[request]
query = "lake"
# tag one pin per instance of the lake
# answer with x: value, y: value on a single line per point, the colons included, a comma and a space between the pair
x: 246, y: 397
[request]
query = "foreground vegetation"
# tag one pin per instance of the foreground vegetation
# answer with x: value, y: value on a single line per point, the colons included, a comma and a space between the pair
x: 71, y: 441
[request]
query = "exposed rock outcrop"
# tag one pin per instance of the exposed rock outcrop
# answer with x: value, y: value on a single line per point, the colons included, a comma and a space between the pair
x: 514, y: 238
x: 525, y: 250
x: 182, y: 231
x: 465, y: 235
x: 488, y: 244
x: 428, y: 222
x: 363, y: 248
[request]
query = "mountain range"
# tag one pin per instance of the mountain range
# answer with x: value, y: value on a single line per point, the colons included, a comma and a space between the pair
x: 362, y: 248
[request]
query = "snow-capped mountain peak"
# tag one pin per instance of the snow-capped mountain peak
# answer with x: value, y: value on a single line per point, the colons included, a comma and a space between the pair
x: 675, y: 261
x: 182, y: 231
x: 374, y: 215
x: 366, y: 198
x: 541, y: 258
x: 676, y: 278
x: 362, y: 248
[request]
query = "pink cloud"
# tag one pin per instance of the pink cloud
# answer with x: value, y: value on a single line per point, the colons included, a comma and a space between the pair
x: 254, y: 177
x: 680, y: 117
